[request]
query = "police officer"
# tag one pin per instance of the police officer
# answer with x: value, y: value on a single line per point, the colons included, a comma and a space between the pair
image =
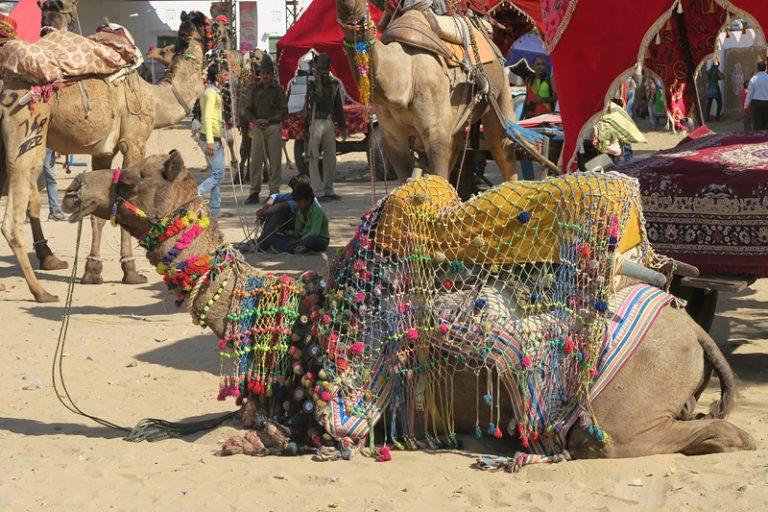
x: 325, y: 109
x: 266, y: 106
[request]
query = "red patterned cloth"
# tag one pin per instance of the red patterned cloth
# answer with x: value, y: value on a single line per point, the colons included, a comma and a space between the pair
x: 706, y: 202
x: 702, y: 23
x: 356, y: 116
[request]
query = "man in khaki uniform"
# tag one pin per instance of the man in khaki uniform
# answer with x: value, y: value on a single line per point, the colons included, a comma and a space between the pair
x: 324, y: 107
x: 266, y: 106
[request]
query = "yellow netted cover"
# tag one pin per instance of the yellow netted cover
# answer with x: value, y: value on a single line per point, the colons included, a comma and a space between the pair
x: 513, y: 223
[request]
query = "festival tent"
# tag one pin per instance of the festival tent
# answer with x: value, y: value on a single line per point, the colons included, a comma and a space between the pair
x: 595, y: 45
x: 527, y: 49
x: 27, y: 16
x: 318, y: 29
x: 513, y: 20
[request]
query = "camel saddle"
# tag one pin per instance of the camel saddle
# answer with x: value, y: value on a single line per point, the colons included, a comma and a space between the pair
x: 62, y: 56
x: 441, y: 35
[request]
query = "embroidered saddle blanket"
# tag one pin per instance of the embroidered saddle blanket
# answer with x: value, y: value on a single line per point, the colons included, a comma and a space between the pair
x: 64, y: 55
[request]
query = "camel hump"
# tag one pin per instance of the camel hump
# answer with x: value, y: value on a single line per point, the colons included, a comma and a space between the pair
x: 446, y: 36
x: 60, y: 56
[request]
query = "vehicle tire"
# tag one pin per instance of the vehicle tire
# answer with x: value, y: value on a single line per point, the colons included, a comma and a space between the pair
x: 379, y: 162
x: 298, y: 157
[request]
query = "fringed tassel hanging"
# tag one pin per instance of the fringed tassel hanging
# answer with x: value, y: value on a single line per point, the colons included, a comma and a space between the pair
x: 680, y: 7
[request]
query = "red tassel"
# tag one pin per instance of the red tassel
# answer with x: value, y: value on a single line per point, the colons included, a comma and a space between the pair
x: 525, y: 442
x: 497, y: 433
x: 383, y: 454
x: 534, y: 436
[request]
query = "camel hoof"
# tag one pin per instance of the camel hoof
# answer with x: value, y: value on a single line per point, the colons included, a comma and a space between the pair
x: 46, y: 297
x: 134, y: 278
x: 53, y: 263
x: 91, y: 278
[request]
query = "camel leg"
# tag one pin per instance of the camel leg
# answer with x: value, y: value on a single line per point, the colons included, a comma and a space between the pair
x: 13, y: 221
x: 132, y: 156
x: 93, y: 265
x: 48, y: 261
x: 502, y: 148
x: 437, y: 142
x: 397, y: 151
x: 638, y: 409
x: 127, y: 261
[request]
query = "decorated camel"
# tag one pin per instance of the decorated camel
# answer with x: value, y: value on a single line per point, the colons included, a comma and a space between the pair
x: 94, y: 117
x: 516, y: 319
x: 57, y: 14
x: 426, y: 91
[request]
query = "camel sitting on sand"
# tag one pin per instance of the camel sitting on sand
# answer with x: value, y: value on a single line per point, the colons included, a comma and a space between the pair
x: 111, y: 117
x: 646, y: 408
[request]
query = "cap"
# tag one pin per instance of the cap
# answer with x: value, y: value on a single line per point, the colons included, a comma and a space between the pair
x: 322, y: 60
x: 266, y: 64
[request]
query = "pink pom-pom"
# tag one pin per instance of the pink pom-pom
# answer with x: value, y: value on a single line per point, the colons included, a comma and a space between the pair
x: 383, y: 454
x: 325, y: 396
x: 412, y: 334
x: 403, y: 307
x: 360, y: 297
x: 357, y: 348
x: 333, y: 336
x: 442, y: 329
x: 222, y: 345
x: 526, y: 362
x: 326, y: 319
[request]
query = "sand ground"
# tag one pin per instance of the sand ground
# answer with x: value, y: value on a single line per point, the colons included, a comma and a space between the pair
x: 132, y: 354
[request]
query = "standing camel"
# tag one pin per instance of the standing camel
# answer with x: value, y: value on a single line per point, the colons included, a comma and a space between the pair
x: 417, y: 97
x: 646, y: 409
x: 119, y: 117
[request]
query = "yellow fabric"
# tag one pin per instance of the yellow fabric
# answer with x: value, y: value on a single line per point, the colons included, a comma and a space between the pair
x: 487, y: 229
x: 210, y: 110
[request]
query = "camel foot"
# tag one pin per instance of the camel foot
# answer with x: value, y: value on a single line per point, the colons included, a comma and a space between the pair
x: 53, y: 263
x: 130, y: 275
x: 43, y: 297
x: 133, y: 277
x: 92, y: 275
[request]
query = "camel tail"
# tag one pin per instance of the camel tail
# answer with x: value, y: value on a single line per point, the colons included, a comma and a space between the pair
x: 728, y: 382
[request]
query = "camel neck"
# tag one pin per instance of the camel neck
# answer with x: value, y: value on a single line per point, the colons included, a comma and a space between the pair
x: 182, y: 247
x: 183, y: 79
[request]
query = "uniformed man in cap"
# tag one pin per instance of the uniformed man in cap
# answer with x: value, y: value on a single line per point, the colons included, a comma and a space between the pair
x: 266, y: 106
x: 325, y: 110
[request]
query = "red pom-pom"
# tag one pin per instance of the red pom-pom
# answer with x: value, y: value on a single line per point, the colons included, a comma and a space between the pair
x: 497, y: 433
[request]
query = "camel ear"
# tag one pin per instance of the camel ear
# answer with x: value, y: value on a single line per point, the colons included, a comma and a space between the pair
x: 184, y: 16
x: 173, y: 166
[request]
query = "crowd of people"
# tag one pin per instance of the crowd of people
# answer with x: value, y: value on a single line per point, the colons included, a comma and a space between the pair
x: 289, y: 222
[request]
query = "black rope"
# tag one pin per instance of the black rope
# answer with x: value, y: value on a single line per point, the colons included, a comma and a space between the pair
x: 149, y: 429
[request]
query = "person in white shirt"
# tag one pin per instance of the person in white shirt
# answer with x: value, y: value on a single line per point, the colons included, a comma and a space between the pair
x: 757, y: 98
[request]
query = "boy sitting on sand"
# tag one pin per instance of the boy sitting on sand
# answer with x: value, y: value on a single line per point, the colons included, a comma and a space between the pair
x: 292, y: 222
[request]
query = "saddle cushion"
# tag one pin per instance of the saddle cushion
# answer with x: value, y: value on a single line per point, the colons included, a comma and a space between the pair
x: 60, y: 55
x: 441, y: 35
x: 117, y: 38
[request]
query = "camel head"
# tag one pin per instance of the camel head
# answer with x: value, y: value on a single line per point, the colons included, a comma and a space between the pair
x: 194, y: 26
x: 57, y: 14
x: 351, y: 10
x: 156, y: 186
x: 162, y: 55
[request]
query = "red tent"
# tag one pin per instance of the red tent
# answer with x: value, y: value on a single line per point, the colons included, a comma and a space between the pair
x: 317, y: 29
x: 531, y: 9
x: 27, y: 16
x: 592, y: 45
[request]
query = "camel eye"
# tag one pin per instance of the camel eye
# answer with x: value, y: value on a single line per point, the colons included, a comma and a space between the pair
x: 126, y: 187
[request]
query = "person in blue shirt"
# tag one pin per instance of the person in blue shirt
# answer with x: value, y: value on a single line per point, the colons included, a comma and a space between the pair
x: 277, y: 215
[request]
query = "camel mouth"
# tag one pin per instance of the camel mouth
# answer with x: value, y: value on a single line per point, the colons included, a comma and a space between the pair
x: 76, y: 207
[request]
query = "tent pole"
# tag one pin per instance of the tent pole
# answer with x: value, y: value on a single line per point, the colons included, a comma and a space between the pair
x: 686, y: 47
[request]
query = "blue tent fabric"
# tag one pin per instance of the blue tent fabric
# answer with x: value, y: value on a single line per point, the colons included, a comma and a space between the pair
x: 527, y: 48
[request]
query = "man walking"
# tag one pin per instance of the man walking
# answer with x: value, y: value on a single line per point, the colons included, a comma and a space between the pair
x: 210, y: 138
x: 757, y: 98
x: 325, y: 109
x: 266, y: 106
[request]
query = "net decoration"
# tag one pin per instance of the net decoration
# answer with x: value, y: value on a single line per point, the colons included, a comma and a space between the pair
x: 513, y: 286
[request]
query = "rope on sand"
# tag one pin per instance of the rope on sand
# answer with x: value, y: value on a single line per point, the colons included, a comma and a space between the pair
x: 149, y: 429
